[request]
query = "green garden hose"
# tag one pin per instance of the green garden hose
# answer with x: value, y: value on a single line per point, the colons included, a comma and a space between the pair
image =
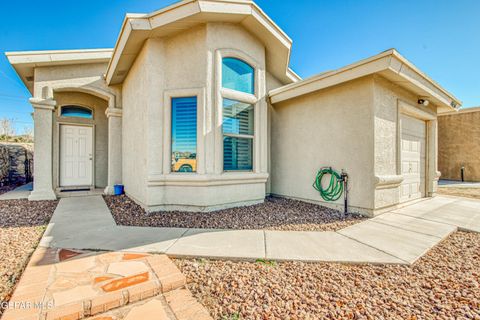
x: 335, y: 187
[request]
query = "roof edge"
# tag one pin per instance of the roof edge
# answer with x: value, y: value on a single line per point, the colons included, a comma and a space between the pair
x: 374, y: 64
x: 142, y: 22
x: 46, y: 57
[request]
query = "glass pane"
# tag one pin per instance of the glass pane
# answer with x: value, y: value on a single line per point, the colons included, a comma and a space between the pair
x: 184, y: 134
x: 237, y: 75
x: 237, y: 153
x: 75, y: 111
x: 237, y: 117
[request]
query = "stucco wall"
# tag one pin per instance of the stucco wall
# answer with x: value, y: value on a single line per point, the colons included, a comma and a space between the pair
x: 136, y: 92
x: 272, y: 83
x: 99, y: 124
x: 459, y: 145
x: 387, y: 98
x: 49, y: 79
x: 331, y: 127
x: 180, y: 65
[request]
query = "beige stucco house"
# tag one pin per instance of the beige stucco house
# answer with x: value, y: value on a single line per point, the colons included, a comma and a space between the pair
x: 196, y: 108
x: 459, y: 144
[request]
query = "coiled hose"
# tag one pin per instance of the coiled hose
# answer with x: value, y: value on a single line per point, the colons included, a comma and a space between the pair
x: 335, y: 187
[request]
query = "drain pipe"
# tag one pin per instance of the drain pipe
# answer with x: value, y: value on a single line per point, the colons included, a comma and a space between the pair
x: 345, y: 191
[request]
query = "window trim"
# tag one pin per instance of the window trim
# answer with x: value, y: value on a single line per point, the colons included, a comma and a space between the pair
x: 79, y: 105
x: 166, y: 151
x: 248, y: 64
x: 254, y: 100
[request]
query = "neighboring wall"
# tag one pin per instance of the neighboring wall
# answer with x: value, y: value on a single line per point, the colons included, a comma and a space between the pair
x: 459, y: 145
x: 331, y: 127
x: 14, y: 168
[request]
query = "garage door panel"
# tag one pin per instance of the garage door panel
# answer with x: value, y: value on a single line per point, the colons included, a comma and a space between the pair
x: 413, y: 143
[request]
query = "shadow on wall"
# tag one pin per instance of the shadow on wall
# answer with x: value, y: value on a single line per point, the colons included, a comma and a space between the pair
x: 16, y: 163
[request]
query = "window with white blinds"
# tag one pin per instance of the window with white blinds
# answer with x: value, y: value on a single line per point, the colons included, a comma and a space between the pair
x: 238, y: 135
x: 238, y: 116
x: 184, y: 134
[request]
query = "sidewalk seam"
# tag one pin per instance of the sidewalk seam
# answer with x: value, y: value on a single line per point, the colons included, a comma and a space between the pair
x: 401, y: 228
x: 422, y: 218
x: 365, y: 244
x: 170, y: 246
x: 265, y: 244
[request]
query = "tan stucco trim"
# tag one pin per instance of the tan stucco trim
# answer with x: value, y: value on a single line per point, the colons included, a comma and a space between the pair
x: 24, y: 62
x: 47, y: 104
x: 388, y: 181
x: 226, y: 178
x: 389, y: 63
x: 113, y: 112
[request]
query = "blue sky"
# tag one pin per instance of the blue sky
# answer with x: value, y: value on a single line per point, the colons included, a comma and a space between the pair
x: 441, y: 37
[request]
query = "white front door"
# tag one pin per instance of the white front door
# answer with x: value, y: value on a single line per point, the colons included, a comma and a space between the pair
x: 76, y: 156
x: 413, y: 145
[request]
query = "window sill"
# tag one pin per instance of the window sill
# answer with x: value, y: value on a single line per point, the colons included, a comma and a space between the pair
x: 195, y: 179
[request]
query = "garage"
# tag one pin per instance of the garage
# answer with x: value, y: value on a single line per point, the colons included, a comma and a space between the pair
x: 413, y: 146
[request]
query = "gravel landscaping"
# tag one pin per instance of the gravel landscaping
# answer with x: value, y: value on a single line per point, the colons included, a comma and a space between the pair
x: 444, y: 284
x: 273, y: 214
x: 22, y: 224
x: 459, y: 192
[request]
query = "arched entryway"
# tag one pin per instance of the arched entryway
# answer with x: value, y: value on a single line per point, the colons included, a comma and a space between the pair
x: 80, y: 132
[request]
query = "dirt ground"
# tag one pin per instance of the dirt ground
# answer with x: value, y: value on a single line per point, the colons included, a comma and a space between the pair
x: 459, y: 192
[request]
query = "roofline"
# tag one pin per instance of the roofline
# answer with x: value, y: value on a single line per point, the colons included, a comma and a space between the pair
x: 144, y: 23
x: 51, y: 57
x: 335, y: 77
x: 462, y: 110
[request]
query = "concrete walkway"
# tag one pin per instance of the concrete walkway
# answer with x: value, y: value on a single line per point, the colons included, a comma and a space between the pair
x: 400, y: 237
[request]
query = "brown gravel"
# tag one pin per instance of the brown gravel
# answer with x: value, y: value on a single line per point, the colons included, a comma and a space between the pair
x: 273, y: 214
x: 21, y: 226
x: 444, y: 284
x: 460, y: 192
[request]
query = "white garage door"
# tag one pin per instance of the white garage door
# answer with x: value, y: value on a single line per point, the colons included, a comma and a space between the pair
x: 413, y: 145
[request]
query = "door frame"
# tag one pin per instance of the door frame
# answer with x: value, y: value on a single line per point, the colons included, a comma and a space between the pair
x: 58, y: 147
x: 405, y: 108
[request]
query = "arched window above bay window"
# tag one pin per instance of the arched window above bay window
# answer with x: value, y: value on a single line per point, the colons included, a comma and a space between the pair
x: 238, y: 75
x: 77, y: 112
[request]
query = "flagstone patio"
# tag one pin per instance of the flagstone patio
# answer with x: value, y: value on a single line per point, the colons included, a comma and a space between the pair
x: 66, y: 284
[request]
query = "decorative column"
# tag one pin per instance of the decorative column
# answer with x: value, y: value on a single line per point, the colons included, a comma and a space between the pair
x: 43, y: 139
x: 114, y: 116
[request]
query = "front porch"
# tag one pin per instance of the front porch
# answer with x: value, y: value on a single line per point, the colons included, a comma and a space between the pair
x: 78, y: 142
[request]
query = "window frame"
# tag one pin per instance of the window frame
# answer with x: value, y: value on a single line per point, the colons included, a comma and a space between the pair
x: 243, y: 97
x: 81, y: 106
x: 162, y: 166
x: 196, y: 132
